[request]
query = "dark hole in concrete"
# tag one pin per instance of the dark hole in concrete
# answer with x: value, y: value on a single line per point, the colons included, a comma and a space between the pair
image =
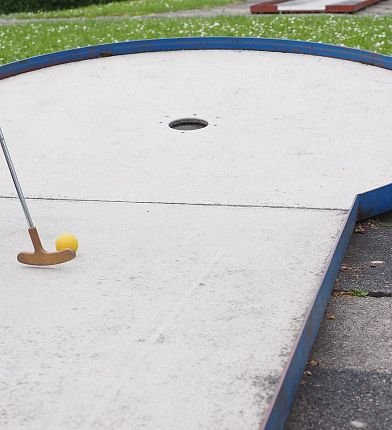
x: 188, y: 124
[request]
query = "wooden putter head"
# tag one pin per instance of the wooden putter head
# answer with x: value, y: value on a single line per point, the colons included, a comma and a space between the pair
x: 40, y: 257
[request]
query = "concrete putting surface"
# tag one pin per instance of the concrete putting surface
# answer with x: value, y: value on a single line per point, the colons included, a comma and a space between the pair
x: 200, y: 251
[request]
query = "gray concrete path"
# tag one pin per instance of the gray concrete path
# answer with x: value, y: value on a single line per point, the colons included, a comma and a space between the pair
x: 234, y: 9
x: 229, y: 10
x: 347, y: 384
x: 242, y: 9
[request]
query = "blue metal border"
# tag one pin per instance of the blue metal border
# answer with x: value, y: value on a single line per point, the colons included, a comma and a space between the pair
x: 367, y: 204
x: 292, y: 375
x: 195, y: 43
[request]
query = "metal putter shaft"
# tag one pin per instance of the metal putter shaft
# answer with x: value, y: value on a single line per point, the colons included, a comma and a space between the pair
x: 39, y: 257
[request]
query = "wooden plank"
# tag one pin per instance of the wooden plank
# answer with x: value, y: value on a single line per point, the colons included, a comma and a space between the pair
x: 349, y: 6
x: 266, y: 6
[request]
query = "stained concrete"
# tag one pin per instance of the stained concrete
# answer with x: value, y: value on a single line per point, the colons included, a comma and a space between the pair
x: 171, y: 316
x: 277, y: 136
x: 200, y: 252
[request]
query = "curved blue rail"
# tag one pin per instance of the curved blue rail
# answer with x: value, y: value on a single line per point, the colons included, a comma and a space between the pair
x: 195, y: 43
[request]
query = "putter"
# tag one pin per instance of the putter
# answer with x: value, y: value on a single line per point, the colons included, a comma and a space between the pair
x: 39, y: 257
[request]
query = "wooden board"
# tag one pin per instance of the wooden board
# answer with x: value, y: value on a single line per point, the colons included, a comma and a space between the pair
x: 310, y: 6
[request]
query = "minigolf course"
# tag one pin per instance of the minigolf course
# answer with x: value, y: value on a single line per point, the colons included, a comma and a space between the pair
x: 213, y: 184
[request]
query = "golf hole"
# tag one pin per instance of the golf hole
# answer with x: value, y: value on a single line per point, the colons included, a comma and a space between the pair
x: 186, y: 124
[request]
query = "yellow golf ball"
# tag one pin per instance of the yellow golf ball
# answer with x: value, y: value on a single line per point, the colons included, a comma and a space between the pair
x: 65, y: 241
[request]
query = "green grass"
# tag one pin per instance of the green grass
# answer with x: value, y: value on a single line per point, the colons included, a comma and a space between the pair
x: 359, y: 293
x: 21, y: 41
x: 126, y: 8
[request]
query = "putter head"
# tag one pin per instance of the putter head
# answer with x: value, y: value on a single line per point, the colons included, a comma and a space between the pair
x: 40, y: 257
x: 43, y: 258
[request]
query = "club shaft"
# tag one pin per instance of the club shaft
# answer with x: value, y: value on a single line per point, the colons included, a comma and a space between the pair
x: 16, y: 181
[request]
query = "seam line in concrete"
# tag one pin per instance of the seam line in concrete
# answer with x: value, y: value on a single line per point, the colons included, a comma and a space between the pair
x: 60, y: 199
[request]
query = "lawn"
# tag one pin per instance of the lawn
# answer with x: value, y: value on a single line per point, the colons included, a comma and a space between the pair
x: 25, y: 40
x: 126, y: 8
